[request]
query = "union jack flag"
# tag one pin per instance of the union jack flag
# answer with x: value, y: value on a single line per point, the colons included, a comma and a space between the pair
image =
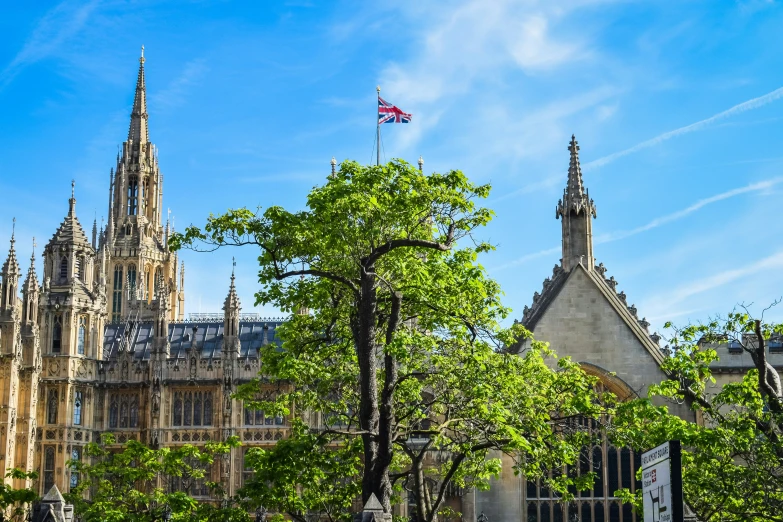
x: 388, y: 113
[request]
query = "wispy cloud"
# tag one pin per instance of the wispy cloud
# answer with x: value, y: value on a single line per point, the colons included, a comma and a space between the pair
x: 676, y: 295
x: 53, y: 30
x: 657, y: 222
x: 174, y: 93
x: 674, y: 216
x: 754, y: 103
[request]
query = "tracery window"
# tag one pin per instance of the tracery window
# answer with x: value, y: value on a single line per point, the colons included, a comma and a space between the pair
x: 77, y: 409
x: 131, y: 278
x: 124, y: 410
x: 133, y: 195
x: 116, y: 309
x: 76, y: 456
x: 57, y: 333
x: 48, y: 468
x: 255, y: 417
x: 192, y: 408
x: 195, y: 487
x: 51, y: 408
x: 80, y: 335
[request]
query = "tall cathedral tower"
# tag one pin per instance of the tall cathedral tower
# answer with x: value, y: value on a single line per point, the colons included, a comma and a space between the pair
x: 576, y: 211
x: 136, y: 241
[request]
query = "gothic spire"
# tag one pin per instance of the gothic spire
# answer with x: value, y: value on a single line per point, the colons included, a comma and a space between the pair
x: 11, y: 266
x: 232, y: 300
x: 31, y: 281
x: 576, y: 211
x: 575, y: 198
x: 138, y: 131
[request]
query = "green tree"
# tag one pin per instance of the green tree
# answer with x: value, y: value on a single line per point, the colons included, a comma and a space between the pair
x: 14, y: 502
x: 397, y: 355
x: 733, y: 458
x: 133, y: 484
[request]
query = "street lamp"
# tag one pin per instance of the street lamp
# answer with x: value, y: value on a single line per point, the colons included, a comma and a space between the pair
x: 260, y: 514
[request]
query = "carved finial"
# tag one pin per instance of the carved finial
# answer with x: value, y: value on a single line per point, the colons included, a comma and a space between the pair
x: 13, y: 231
x: 334, y: 165
x: 378, y: 88
x: 34, y: 245
x: 73, y: 188
x: 233, y: 266
x: 421, y: 163
x: 142, y: 54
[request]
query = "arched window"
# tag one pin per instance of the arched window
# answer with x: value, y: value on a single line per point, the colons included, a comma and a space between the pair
x: 48, y: 468
x: 131, y: 278
x: 133, y: 195
x: 598, y: 465
x: 116, y: 310
x: 57, y: 334
x: 114, y: 411
x: 207, y: 409
x: 188, y: 416
x: 177, y: 409
x: 76, y: 456
x: 51, y: 407
x: 124, y: 412
x: 134, y: 412
x: 63, y: 269
x: 80, y: 268
x: 197, y: 409
x: 77, y: 409
x: 81, y: 335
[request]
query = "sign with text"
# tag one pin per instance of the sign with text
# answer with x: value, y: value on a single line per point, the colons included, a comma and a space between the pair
x: 662, y: 483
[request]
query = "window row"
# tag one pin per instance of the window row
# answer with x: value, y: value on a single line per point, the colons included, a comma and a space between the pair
x: 52, y: 405
x: 49, y: 466
x: 620, y: 466
x: 80, y: 270
x: 57, y: 334
x: 129, y: 283
x: 124, y: 411
x: 558, y: 512
x: 192, y: 408
x: 258, y: 418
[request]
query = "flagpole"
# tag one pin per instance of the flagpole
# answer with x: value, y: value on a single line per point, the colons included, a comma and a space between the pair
x: 378, y: 129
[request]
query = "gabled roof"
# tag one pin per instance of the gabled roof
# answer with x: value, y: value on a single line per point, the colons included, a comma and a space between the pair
x: 607, y: 287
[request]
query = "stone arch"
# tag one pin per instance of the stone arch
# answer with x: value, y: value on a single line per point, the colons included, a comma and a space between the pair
x: 611, y: 382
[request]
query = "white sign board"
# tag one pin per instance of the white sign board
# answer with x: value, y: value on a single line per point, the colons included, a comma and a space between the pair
x: 662, y: 483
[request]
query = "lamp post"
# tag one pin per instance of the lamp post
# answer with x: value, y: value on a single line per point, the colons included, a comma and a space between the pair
x: 261, y: 514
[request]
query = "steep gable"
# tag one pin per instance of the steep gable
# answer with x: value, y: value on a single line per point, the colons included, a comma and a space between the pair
x: 582, y: 316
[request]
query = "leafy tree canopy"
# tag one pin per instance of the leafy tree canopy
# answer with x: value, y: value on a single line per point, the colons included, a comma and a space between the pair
x: 394, y: 371
x: 16, y: 502
x: 133, y: 484
x: 733, y: 458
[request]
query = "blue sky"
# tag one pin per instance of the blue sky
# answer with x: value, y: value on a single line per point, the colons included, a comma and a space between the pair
x: 677, y: 106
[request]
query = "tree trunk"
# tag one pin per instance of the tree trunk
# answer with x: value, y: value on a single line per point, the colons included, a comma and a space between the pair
x: 364, y: 338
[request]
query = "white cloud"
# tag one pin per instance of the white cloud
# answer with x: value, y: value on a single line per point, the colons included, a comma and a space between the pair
x: 53, y: 30
x: 174, y: 93
x: 751, y: 104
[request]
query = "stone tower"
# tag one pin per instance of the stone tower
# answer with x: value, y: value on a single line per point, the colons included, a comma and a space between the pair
x: 29, y: 373
x: 137, y: 243
x: 10, y: 354
x: 72, y: 310
x: 576, y: 211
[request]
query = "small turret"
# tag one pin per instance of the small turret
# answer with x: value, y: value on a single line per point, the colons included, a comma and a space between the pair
x: 30, y: 291
x: 576, y: 211
x: 231, y: 309
x: 10, y: 284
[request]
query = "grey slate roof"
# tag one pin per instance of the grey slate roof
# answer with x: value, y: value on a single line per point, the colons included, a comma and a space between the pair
x: 208, y: 336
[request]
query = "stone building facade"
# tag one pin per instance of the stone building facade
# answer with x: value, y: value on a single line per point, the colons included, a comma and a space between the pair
x: 581, y: 313
x: 101, y: 346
